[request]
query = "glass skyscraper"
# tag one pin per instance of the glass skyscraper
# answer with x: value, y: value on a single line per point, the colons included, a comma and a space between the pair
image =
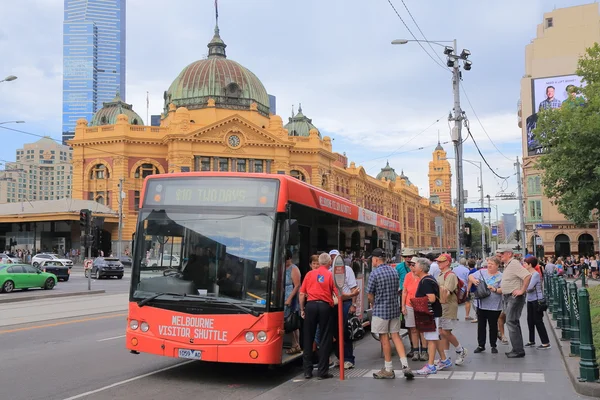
x: 94, y: 44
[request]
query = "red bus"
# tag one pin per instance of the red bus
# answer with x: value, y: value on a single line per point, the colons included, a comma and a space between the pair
x: 208, y: 261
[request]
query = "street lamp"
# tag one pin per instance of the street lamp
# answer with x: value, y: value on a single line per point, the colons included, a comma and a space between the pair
x: 453, y: 61
x: 12, y: 122
x: 8, y: 78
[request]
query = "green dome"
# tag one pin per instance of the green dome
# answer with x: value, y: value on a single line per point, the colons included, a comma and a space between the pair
x: 107, y: 115
x: 231, y: 85
x: 300, y: 125
x: 388, y: 173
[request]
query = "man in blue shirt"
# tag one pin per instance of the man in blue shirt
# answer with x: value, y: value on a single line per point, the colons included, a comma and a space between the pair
x: 382, y: 292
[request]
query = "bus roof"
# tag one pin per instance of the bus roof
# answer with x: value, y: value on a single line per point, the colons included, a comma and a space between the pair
x: 296, y: 191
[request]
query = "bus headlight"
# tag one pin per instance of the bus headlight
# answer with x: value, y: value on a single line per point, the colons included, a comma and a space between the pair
x: 133, y: 324
x: 261, y: 336
x: 144, y: 327
x: 249, y: 337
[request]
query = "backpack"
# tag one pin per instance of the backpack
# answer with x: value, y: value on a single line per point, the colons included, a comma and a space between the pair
x: 461, y: 290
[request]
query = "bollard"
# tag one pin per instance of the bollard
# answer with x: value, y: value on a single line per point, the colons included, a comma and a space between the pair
x: 546, y: 296
x: 572, y: 289
x: 555, y: 309
x: 550, y: 295
x: 565, y: 324
x: 559, y: 303
x: 588, y: 367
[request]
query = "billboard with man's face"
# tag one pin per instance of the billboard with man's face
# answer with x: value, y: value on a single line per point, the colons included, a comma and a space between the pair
x: 548, y: 93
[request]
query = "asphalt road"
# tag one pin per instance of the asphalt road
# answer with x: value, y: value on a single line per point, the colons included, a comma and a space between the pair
x: 85, y: 357
x: 78, y: 283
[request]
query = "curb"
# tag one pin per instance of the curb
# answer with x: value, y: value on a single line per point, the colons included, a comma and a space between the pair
x: 590, y: 389
x: 50, y: 296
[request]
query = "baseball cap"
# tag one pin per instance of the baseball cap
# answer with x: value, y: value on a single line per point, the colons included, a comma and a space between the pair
x: 333, y: 253
x: 444, y: 257
x: 377, y: 253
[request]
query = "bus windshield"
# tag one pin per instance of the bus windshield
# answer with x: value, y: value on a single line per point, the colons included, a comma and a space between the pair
x: 223, y: 255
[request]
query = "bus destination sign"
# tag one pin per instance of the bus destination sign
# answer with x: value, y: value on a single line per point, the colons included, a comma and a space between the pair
x: 212, y: 192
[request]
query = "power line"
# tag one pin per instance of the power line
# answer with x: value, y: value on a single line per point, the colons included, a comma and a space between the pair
x: 415, y: 38
x: 409, y: 151
x: 481, y: 124
x: 424, y: 37
x: 480, y: 153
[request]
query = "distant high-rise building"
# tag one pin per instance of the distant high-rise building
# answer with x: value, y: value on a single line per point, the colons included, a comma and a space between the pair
x: 43, y: 171
x: 510, y: 225
x: 155, y: 120
x: 272, y: 104
x: 94, y: 43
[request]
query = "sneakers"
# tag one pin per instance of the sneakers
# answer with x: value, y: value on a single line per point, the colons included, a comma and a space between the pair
x: 474, y: 321
x: 544, y: 346
x: 494, y: 350
x: 441, y: 365
x: 460, y: 356
x: 336, y: 364
x: 479, y: 349
x: 427, y: 370
x: 411, y: 354
x: 408, y: 374
x: 424, y: 356
x: 504, y: 340
x: 348, y: 365
x: 530, y: 344
x: 384, y: 374
x: 415, y: 356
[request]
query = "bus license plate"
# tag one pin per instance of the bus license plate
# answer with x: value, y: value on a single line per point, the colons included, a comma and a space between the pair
x: 190, y: 354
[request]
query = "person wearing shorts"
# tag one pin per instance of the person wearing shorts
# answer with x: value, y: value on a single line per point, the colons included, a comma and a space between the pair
x: 411, y: 282
x: 429, y: 288
x: 382, y: 290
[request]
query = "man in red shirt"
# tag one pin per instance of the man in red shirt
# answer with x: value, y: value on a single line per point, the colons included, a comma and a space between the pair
x: 316, y: 305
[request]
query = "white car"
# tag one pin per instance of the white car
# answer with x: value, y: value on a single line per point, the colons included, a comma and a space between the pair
x: 38, y: 259
x: 167, y: 261
x: 6, y: 258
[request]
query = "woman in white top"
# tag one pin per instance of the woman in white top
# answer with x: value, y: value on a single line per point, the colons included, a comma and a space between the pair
x: 489, y: 308
x: 535, y: 315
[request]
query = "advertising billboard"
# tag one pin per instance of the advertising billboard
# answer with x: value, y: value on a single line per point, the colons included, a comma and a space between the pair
x: 548, y: 93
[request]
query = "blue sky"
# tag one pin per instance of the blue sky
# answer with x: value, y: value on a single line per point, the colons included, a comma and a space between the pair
x: 374, y: 99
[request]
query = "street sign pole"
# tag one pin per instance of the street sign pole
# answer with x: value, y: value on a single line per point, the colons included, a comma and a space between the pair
x: 339, y: 277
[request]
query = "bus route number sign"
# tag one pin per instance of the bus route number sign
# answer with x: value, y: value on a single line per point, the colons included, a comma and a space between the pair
x: 339, y: 272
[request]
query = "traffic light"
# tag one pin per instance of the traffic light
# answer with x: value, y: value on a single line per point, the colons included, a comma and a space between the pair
x: 84, y: 218
x: 518, y: 236
x: 467, y: 234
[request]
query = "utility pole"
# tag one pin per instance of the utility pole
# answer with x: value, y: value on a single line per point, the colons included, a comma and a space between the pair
x: 521, y: 211
x: 482, y: 213
x: 490, y: 221
x: 119, y: 247
x: 457, y: 139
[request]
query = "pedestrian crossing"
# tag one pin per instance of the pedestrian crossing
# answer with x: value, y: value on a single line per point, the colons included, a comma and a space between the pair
x: 528, y: 377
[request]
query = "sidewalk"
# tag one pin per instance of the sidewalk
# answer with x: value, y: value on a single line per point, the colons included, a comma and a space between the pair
x: 541, y: 374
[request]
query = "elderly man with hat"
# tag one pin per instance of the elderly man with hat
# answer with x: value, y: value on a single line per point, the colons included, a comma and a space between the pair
x: 515, y: 280
x: 350, y: 291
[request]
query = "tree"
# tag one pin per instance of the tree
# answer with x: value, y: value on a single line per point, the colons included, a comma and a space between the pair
x: 476, y: 235
x: 570, y: 166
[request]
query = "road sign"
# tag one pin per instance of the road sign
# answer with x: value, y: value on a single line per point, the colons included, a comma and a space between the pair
x: 543, y: 226
x: 477, y: 210
x: 494, y: 231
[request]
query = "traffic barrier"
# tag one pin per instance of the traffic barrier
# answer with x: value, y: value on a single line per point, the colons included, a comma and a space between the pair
x: 565, y: 310
x: 574, y: 307
x: 559, y: 303
x: 555, y: 308
x: 550, y: 295
x: 588, y: 367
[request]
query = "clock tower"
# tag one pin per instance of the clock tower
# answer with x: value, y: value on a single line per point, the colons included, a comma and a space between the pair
x: 440, y: 176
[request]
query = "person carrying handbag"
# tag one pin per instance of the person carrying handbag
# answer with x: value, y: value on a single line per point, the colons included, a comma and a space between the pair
x: 536, y: 306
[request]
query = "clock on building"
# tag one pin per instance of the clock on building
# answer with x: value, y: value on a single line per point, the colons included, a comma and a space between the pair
x: 438, y: 182
x: 234, y: 140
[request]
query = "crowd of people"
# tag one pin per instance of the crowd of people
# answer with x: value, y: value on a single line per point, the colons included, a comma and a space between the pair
x: 422, y: 293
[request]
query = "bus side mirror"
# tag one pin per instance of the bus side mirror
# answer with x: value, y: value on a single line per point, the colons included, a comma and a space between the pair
x: 291, y: 232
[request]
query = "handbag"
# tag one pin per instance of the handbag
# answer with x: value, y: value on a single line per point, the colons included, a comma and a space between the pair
x: 541, y: 304
x: 482, y: 290
x: 292, y: 322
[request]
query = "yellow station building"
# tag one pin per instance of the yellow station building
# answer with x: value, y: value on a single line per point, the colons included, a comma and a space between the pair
x: 216, y: 118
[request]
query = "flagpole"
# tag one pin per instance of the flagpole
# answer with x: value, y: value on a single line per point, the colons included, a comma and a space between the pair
x: 147, y: 109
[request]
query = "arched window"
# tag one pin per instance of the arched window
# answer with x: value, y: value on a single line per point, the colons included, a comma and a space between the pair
x: 298, y: 175
x: 134, y: 122
x: 100, y: 199
x: 324, y: 181
x: 99, y: 172
x: 103, y: 120
x: 145, y: 170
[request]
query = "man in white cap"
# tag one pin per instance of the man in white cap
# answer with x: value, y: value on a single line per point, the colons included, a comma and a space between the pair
x: 349, y: 293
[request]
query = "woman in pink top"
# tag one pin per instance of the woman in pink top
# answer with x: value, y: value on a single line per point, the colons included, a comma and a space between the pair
x: 411, y: 282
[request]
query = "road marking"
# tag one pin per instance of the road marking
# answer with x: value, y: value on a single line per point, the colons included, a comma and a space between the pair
x: 76, y: 321
x: 477, y: 376
x: 135, y: 378
x: 111, y: 338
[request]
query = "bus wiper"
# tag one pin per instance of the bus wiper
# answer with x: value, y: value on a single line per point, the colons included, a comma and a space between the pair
x: 145, y: 301
x: 236, y: 305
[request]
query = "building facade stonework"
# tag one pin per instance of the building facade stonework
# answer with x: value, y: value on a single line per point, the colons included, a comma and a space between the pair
x: 552, y: 56
x: 216, y: 118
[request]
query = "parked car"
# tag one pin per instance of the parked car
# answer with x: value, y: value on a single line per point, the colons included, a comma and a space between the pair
x: 56, y: 267
x: 37, y: 260
x: 166, y: 261
x: 23, y: 276
x: 7, y: 258
x: 106, y: 267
